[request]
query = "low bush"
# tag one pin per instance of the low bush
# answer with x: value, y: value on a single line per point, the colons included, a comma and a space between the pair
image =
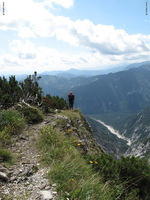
x: 11, y: 121
x: 5, y: 156
x: 32, y: 114
x: 132, y: 172
x: 135, y: 172
x: 53, y: 102
x: 5, y: 137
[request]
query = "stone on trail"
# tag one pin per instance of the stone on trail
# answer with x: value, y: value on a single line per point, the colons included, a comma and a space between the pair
x: 3, y: 169
x: 3, y: 177
x: 46, y: 195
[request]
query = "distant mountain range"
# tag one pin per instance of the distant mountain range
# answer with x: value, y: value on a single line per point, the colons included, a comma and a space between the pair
x: 84, y: 73
x: 125, y: 91
x: 73, y: 72
x: 88, y: 73
x: 60, y: 86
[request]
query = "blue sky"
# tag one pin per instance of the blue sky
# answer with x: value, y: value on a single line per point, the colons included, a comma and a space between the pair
x: 46, y: 35
x: 127, y: 14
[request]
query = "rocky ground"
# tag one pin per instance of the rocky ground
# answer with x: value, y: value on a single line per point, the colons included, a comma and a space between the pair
x: 26, y: 179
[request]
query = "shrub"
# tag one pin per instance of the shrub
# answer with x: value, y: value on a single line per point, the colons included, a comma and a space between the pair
x: 32, y: 114
x: 5, y: 155
x: 106, y: 165
x: 53, y: 102
x: 11, y: 121
x: 135, y: 172
x: 5, y: 137
x: 131, y: 172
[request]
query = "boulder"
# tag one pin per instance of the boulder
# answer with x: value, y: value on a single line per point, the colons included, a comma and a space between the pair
x: 3, y: 177
x: 46, y: 195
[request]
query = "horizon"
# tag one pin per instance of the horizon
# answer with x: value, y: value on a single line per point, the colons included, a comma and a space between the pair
x: 120, y: 68
x: 56, y: 35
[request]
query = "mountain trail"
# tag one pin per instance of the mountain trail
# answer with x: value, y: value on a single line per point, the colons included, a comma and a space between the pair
x: 27, y: 178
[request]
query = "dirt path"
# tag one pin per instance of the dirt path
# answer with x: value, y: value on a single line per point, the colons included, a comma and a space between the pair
x: 27, y: 177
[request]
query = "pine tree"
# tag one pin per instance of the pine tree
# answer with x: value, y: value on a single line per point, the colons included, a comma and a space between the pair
x: 31, y: 92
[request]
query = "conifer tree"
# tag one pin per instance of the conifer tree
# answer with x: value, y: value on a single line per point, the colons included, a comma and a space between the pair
x: 31, y: 92
x: 11, y: 91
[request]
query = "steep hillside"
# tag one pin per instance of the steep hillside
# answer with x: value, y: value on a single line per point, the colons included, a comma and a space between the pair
x: 138, y: 130
x: 126, y: 91
x: 109, y: 142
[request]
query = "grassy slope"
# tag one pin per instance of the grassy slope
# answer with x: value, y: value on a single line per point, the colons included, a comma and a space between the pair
x: 11, y: 124
x: 65, y: 151
x: 78, y: 166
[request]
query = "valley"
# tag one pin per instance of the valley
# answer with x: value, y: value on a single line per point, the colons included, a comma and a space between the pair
x: 113, y: 100
x: 115, y: 132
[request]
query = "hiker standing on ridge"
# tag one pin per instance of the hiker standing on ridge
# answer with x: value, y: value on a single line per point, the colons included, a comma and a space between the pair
x: 71, y: 98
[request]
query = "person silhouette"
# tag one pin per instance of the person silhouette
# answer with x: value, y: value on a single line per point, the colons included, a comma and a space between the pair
x: 71, y: 98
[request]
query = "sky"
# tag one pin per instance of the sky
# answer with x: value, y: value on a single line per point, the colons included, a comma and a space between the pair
x: 45, y: 35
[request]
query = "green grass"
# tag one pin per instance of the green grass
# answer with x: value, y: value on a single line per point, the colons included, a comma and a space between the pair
x: 90, y: 174
x: 5, y: 137
x: 73, y: 115
x: 32, y: 114
x: 5, y: 156
x: 74, y: 176
x: 11, y: 197
x: 12, y: 121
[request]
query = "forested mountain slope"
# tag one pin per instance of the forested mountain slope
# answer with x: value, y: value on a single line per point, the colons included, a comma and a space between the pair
x: 60, y: 86
x: 126, y: 91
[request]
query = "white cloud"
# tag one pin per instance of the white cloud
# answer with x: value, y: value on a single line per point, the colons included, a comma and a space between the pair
x: 31, y: 19
x: 63, y: 3
x: 108, y: 39
x: 34, y: 19
x: 25, y: 57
